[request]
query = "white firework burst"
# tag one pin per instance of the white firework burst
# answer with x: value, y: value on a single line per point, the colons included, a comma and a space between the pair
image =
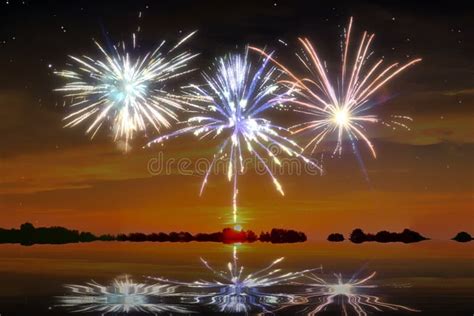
x: 342, y: 106
x: 238, y: 96
x: 125, y: 88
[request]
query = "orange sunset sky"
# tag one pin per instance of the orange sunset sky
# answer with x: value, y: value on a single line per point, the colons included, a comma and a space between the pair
x: 422, y: 179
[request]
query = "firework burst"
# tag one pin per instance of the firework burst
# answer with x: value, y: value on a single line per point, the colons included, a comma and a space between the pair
x: 237, y: 96
x: 125, y: 89
x: 347, y: 294
x: 341, y: 106
x: 122, y: 296
x: 236, y: 292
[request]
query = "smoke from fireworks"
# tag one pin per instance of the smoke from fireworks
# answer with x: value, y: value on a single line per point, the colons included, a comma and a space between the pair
x: 341, y: 106
x: 347, y: 293
x: 124, y: 88
x: 122, y: 296
x: 236, y: 292
x: 238, y: 95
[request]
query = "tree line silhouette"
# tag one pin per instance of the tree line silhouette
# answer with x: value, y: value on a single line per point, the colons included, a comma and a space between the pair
x: 358, y: 236
x: 227, y: 235
x: 406, y: 236
x: 29, y: 235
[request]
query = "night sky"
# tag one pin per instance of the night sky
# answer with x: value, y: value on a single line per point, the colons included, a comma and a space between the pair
x: 422, y: 179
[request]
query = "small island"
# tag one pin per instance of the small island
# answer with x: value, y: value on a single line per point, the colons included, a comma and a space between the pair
x: 462, y: 237
x: 30, y: 235
x: 406, y: 236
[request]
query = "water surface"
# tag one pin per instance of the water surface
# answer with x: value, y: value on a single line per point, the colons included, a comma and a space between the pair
x: 434, y: 277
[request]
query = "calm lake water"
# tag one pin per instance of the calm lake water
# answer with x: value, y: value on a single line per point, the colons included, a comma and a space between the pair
x: 436, y: 278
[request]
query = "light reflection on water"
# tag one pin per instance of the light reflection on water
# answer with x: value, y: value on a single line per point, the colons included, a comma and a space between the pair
x: 434, y: 277
x: 124, y: 296
x: 239, y: 291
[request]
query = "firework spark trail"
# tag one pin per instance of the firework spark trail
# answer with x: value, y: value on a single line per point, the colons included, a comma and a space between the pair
x: 341, y: 106
x: 127, y: 89
x: 347, y: 294
x: 237, y: 95
x: 237, y: 292
x: 122, y: 296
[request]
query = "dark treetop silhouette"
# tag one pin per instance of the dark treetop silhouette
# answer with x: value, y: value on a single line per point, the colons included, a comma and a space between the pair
x: 462, y: 237
x: 336, y: 237
x: 407, y: 236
